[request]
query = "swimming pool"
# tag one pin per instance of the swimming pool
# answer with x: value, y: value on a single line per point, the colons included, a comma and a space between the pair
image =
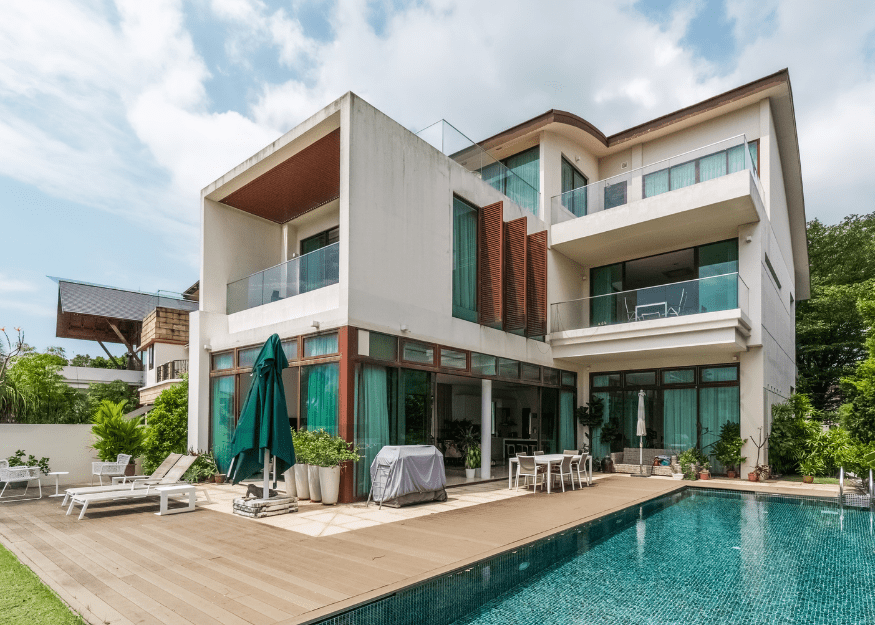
x: 696, y: 556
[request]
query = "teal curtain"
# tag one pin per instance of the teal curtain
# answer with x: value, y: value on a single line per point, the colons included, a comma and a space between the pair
x: 754, y: 149
x: 494, y: 175
x: 371, y: 421
x: 679, y: 418
x: 549, y: 435
x: 717, y: 405
x: 718, y: 286
x: 630, y: 418
x: 566, y: 420
x: 604, y: 282
x: 320, y: 345
x: 464, y: 261
x: 573, y: 189
x: 683, y: 175
x: 712, y: 166
x: 656, y: 183
x: 410, y: 413
x: 735, y: 158
x: 320, y: 388
x: 223, y: 419
x: 523, y: 186
x: 319, y: 268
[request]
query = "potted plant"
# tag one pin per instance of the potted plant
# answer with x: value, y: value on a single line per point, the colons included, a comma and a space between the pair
x: 612, y: 434
x: 301, y: 440
x: 705, y: 471
x: 760, y: 471
x: 17, y: 460
x: 315, y: 440
x: 472, y: 460
x: 728, y: 448
x: 328, y: 454
x: 691, y: 460
x: 591, y: 417
x: 810, y: 465
x: 204, y: 468
x: 116, y: 435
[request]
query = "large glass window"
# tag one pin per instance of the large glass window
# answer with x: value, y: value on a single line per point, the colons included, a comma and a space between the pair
x: 464, y: 261
x: 699, y: 170
x: 572, y: 179
x: 320, y: 345
x: 383, y: 346
x: 318, y: 241
x: 222, y: 418
x: 320, y: 388
x: 418, y: 352
x: 519, y: 179
x: 683, y: 407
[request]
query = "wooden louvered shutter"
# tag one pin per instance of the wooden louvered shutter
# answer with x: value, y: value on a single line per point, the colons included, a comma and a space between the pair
x: 536, y: 284
x: 515, y: 275
x: 490, y: 264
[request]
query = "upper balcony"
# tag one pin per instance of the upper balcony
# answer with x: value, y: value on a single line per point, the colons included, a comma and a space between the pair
x: 707, y: 192
x: 509, y: 181
x: 305, y: 273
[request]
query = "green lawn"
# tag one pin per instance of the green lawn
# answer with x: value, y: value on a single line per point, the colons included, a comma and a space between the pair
x: 817, y: 480
x: 25, y: 600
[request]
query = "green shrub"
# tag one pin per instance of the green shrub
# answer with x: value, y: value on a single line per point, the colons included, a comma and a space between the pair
x: 17, y: 460
x: 327, y: 450
x: 473, y: 457
x: 167, y: 426
x: 793, y: 426
x: 693, y: 461
x: 116, y: 435
x: 728, y: 448
x: 204, y: 468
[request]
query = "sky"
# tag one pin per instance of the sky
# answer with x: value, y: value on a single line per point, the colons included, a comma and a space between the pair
x: 114, y: 115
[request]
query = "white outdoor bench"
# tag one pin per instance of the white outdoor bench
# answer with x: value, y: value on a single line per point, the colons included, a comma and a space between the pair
x: 163, y: 492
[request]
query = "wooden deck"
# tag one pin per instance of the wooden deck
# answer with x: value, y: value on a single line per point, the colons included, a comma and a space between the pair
x: 123, y: 564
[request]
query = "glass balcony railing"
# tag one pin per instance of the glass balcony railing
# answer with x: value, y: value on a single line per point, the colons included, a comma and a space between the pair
x: 699, y: 165
x: 449, y: 140
x: 678, y: 299
x: 305, y: 273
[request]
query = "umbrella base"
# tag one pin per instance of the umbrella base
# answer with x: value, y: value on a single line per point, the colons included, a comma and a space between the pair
x: 642, y: 472
x: 260, y: 508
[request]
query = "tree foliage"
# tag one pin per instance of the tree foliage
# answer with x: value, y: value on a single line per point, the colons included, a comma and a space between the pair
x: 830, y: 330
x: 97, y: 362
x: 114, y: 434
x: 167, y: 426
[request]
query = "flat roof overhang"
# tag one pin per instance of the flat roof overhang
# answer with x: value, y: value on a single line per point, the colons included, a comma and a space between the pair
x: 708, y: 211
x: 306, y: 180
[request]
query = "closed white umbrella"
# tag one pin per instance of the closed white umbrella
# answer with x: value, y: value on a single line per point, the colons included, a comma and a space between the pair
x: 641, y: 432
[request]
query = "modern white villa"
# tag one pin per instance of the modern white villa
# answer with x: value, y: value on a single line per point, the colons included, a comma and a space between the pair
x: 423, y: 284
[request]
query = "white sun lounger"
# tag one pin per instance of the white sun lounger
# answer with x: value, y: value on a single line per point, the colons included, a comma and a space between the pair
x: 136, y: 481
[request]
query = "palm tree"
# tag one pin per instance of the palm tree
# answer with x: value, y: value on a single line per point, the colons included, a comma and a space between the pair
x: 11, y: 399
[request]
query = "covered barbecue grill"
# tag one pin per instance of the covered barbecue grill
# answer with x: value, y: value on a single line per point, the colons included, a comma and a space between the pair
x: 406, y: 474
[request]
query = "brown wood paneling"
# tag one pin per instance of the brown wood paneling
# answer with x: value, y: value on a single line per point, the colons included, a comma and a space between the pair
x: 165, y: 325
x: 347, y: 340
x: 515, y: 275
x: 299, y: 184
x: 536, y: 284
x: 490, y: 264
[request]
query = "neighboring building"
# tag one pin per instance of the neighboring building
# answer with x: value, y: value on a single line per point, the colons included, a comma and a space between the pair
x: 153, y: 327
x: 417, y: 293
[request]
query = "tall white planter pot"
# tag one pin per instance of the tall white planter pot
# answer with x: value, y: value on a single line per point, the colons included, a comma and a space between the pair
x: 291, y: 487
x: 302, y: 481
x: 315, y: 489
x: 329, y: 482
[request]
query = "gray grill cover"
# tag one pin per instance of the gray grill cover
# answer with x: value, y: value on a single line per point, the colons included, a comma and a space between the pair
x: 411, y: 473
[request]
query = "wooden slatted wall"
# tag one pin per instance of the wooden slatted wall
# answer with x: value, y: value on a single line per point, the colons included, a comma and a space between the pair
x: 490, y: 265
x: 536, y: 284
x: 515, y: 275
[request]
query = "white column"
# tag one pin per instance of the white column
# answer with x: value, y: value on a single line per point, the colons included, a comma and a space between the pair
x: 485, y: 428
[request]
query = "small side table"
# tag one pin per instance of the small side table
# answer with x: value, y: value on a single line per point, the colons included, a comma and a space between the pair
x: 57, y: 475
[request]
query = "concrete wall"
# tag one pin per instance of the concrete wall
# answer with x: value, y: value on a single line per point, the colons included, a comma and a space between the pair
x: 82, y: 377
x: 400, y: 237
x: 66, y: 446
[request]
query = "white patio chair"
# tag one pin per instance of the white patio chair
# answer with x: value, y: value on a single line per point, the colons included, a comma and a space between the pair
x: 528, y: 468
x: 677, y: 311
x: 563, y: 470
x: 109, y: 468
x: 16, y: 475
x: 631, y: 315
x: 134, y: 481
x: 578, y: 460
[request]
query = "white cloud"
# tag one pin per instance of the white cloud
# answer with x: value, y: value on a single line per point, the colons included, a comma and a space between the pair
x: 15, y: 285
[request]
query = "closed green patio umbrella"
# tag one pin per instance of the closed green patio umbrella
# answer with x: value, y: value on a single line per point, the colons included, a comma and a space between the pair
x: 263, y: 429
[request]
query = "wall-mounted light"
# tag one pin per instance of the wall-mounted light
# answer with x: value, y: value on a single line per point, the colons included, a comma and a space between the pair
x: 314, y: 324
x: 748, y: 239
x: 404, y: 328
x: 735, y: 358
x: 576, y: 158
x: 208, y: 348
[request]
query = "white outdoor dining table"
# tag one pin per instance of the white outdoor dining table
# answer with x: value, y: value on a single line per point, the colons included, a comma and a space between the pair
x: 549, y: 460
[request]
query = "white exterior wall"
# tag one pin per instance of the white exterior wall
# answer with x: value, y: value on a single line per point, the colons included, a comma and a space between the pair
x: 68, y: 448
x: 400, y: 213
x: 164, y: 353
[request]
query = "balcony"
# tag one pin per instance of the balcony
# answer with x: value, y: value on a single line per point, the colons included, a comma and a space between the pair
x: 682, y: 317
x: 172, y: 370
x: 704, y: 194
x: 308, y: 272
x: 450, y: 141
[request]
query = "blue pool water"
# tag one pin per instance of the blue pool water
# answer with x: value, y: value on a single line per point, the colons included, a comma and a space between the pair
x: 692, y: 557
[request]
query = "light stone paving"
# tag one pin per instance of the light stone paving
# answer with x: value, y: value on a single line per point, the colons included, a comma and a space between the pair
x: 315, y: 519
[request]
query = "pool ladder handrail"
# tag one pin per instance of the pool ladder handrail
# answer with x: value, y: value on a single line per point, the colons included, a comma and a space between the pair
x: 869, y: 493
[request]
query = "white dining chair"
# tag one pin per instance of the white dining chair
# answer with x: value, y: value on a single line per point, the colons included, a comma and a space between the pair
x: 563, y: 470
x: 528, y: 468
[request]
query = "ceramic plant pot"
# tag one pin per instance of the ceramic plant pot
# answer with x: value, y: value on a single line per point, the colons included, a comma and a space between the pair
x: 291, y: 487
x: 730, y: 475
x: 302, y: 481
x: 752, y: 477
x: 704, y: 475
x: 313, y: 481
x: 329, y: 483
x: 469, y: 473
x: 808, y: 479
x: 219, y: 478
